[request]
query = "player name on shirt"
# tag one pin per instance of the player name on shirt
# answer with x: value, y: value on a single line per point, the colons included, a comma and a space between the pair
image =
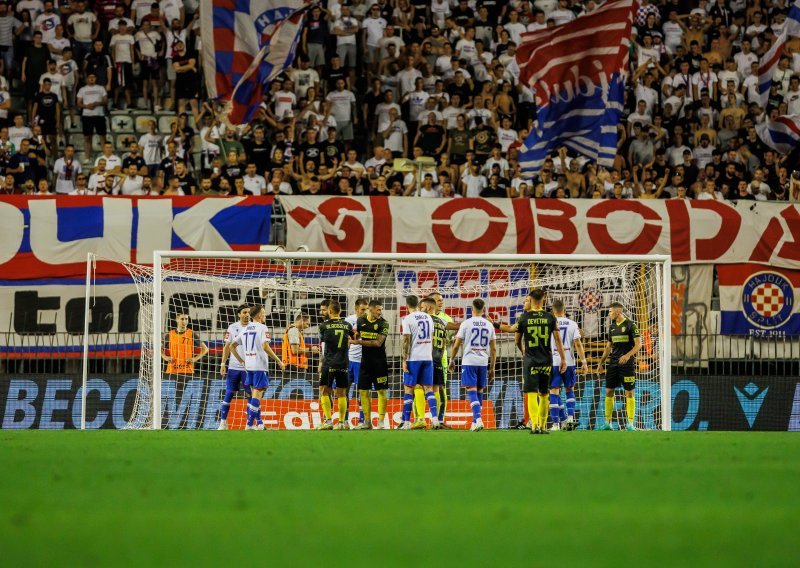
x: 476, y: 333
x: 419, y: 326
x: 536, y: 328
x: 252, y: 339
x: 569, y: 333
x: 334, y: 334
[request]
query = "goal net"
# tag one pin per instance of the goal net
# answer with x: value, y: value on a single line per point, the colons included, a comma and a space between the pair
x: 210, y: 287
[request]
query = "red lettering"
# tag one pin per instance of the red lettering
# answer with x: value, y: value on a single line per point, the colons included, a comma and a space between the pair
x: 498, y: 277
x: 557, y: 215
x: 679, y: 230
x: 643, y: 243
x: 382, y: 225
x: 353, y: 239
x: 526, y: 229
x: 790, y: 250
x: 468, y: 278
x: 497, y: 313
x: 487, y: 242
x: 715, y: 247
x: 427, y: 281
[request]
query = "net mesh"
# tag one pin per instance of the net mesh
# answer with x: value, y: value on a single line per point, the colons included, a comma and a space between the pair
x: 211, y: 289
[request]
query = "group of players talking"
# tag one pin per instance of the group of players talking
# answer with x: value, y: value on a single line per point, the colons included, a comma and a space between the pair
x: 354, y: 352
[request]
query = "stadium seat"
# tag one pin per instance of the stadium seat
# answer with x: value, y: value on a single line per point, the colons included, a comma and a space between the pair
x: 165, y: 123
x: 121, y: 123
x: 120, y: 141
x: 142, y: 122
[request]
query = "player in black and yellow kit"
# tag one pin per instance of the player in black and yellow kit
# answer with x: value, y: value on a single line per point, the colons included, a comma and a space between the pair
x: 372, y: 332
x: 622, y: 345
x: 534, y: 333
x: 335, y: 334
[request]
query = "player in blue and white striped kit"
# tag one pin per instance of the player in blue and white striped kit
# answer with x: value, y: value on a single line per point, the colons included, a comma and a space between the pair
x: 232, y: 369
x: 570, y: 338
x: 417, y: 354
x: 255, y: 340
x: 480, y: 353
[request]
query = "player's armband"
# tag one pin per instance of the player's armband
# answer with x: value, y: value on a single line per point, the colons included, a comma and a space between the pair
x: 496, y: 325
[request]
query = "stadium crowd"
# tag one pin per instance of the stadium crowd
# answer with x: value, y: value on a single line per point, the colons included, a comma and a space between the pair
x: 107, y: 97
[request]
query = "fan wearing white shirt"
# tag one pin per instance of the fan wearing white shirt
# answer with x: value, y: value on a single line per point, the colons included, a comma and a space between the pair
x: 131, y: 183
x: 254, y: 183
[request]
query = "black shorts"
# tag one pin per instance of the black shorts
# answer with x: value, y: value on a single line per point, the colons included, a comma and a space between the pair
x: 438, y: 376
x: 48, y: 126
x: 620, y: 376
x: 536, y: 378
x: 186, y: 88
x: 373, y: 376
x: 146, y: 72
x: 126, y: 80
x: 93, y: 125
x: 334, y: 378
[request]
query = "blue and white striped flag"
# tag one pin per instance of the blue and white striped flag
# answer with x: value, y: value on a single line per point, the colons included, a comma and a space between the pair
x: 781, y: 134
x: 792, y: 24
x: 766, y: 69
x: 577, y: 72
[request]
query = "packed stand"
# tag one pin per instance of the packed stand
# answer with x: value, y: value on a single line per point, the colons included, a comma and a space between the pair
x: 108, y: 98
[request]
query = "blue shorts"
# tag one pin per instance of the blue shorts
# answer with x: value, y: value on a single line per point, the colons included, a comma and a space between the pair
x: 567, y: 379
x: 235, y: 380
x: 257, y: 379
x: 473, y: 376
x: 352, y: 371
x: 419, y: 373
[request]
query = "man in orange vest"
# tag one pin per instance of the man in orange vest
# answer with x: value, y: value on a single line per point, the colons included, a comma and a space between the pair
x: 183, y: 348
x: 294, y: 352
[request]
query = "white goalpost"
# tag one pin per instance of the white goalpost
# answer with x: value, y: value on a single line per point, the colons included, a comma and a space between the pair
x: 209, y: 287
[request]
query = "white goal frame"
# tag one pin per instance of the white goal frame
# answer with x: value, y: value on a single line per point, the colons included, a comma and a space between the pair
x: 665, y: 339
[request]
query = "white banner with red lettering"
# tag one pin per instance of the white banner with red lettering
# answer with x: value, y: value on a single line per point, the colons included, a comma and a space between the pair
x: 704, y: 232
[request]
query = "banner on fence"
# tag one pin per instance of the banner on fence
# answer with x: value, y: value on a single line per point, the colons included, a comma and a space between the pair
x: 704, y: 232
x: 706, y: 403
x: 690, y: 325
x: 46, y: 316
x: 758, y: 300
x: 50, y: 237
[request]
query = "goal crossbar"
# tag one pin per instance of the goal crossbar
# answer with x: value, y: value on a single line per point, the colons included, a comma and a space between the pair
x: 664, y: 260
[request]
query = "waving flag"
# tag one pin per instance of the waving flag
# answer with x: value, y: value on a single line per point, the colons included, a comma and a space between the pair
x: 246, y: 44
x: 781, y: 134
x: 577, y: 72
x: 766, y: 69
x: 792, y: 24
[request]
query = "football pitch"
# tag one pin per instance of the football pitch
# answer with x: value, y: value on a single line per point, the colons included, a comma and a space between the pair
x: 398, y: 498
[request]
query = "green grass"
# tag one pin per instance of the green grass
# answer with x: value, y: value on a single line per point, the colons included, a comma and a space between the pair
x: 398, y: 498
